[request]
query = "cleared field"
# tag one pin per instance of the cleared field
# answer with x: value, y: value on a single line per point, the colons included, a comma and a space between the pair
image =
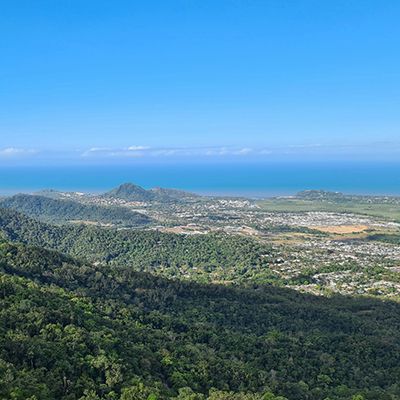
x: 382, y: 210
x: 342, y: 229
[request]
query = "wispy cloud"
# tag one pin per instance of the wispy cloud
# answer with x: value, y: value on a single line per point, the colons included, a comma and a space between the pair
x: 305, y: 146
x: 143, y: 151
x: 262, y: 152
x: 386, y: 150
x: 137, y: 148
x: 9, y: 152
x: 131, y: 151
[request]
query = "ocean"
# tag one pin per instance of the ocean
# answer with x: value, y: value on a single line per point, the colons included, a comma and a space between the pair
x: 236, y: 179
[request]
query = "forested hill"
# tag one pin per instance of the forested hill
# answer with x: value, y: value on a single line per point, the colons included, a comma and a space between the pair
x: 70, y: 330
x: 131, y: 192
x: 211, y: 257
x: 57, y: 210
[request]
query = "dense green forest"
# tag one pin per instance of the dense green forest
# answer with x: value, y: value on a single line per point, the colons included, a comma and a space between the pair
x: 131, y: 192
x: 92, y: 313
x: 59, y: 210
x: 206, y: 258
x: 72, y: 330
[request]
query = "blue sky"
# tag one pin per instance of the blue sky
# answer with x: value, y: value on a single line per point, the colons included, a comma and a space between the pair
x: 122, y: 81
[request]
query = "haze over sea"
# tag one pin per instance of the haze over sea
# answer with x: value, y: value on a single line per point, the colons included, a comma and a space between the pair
x: 242, y: 179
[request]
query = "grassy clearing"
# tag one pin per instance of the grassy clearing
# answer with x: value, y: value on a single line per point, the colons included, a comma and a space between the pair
x: 381, y: 210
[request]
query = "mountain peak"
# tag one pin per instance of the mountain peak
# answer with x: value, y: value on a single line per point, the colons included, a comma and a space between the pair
x: 130, y: 192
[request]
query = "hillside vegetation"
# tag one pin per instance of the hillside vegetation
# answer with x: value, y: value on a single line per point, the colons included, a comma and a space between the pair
x: 132, y: 192
x: 59, y: 210
x: 72, y: 330
x: 212, y: 257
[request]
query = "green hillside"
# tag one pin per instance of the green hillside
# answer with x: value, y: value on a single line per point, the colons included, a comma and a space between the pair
x: 70, y: 330
x: 131, y: 192
x: 212, y: 257
x: 56, y: 210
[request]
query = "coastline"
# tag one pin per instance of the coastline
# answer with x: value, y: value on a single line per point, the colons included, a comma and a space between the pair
x: 256, y: 180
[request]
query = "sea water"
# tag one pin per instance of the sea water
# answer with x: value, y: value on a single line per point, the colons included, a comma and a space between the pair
x: 257, y: 179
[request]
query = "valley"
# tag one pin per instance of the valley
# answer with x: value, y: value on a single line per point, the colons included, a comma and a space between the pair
x: 159, y: 294
x: 327, y: 249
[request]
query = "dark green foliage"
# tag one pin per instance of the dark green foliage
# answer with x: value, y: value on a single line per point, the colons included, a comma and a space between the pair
x: 393, y: 238
x: 56, y: 210
x: 71, y: 330
x: 131, y: 192
x: 203, y: 257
